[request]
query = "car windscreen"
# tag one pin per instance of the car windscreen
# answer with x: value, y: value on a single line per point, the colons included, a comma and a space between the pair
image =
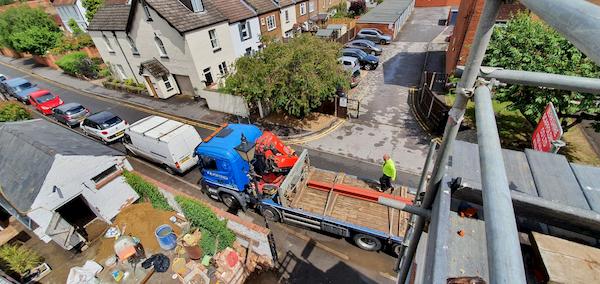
x: 75, y: 110
x: 110, y: 122
x: 44, y: 98
x: 22, y: 87
x: 361, y: 53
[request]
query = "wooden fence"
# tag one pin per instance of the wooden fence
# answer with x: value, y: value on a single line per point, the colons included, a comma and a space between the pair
x: 431, y: 109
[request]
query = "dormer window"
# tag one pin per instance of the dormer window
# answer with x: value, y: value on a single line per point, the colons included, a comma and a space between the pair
x: 197, y: 6
x: 161, y: 47
x: 146, y: 11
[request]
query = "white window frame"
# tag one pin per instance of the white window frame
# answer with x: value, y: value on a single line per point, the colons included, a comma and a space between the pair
x: 168, y: 84
x: 214, y: 41
x: 286, y: 15
x: 245, y: 29
x: 223, y: 68
x: 121, y: 71
x: 161, y: 46
x: 147, y: 11
x: 262, y: 21
x: 108, y: 44
x: 271, y: 23
x: 302, y: 9
x: 134, y: 49
x: 311, y: 6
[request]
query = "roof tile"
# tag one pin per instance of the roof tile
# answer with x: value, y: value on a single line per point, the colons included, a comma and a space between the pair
x: 111, y: 18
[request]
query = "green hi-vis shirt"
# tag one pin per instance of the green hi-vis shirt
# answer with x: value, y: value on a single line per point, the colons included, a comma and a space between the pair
x: 389, y: 169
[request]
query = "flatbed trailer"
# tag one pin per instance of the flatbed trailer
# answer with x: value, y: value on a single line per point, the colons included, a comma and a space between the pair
x: 340, y: 204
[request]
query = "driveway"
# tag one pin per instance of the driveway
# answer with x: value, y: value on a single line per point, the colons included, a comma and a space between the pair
x: 385, y: 123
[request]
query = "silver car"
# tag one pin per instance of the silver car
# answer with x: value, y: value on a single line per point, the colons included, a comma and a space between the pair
x: 364, y: 45
x: 374, y: 35
x: 70, y: 114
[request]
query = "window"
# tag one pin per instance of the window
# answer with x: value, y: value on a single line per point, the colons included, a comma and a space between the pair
x: 167, y: 83
x: 147, y: 11
x: 302, y: 9
x: 244, y: 30
x: 223, y: 68
x: 248, y: 51
x: 108, y: 45
x: 207, y: 163
x: 262, y: 21
x: 105, y: 174
x: 121, y: 71
x: 287, y: 16
x: 161, y: 47
x: 311, y: 6
x: 197, y: 6
x: 134, y: 49
x: 212, y: 34
x: 271, y: 24
x: 208, y: 79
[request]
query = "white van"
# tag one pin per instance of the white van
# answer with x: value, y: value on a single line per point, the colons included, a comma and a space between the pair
x: 164, y: 141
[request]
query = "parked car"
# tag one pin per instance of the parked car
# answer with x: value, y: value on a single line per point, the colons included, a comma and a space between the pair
x: 374, y: 35
x: 2, y: 78
x: 44, y: 101
x: 367, y: 61
x: 164, y: 141
x: 19, y: 88
x: 104, y: 126
x: 70, y: 114
x: 364, y: 45
x: 355, y: 79
x: 349, y: 64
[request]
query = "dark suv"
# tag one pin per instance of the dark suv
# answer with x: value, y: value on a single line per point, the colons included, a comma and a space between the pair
x: 367, y: 61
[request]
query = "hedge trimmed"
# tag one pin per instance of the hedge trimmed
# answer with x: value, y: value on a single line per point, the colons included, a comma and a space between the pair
x: 213, y: 229
x: 147, y: 191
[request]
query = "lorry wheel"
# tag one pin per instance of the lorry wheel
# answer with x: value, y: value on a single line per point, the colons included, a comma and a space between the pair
x: 367, y: 242
x: 271, y: 214
x: 396, y: 249
x: 229, y: 200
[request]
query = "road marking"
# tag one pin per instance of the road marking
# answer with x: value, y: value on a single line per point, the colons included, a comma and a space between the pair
x: 316, y: 136
x: 317, y: 244
x: 387, y: 275
x: 115, y: 100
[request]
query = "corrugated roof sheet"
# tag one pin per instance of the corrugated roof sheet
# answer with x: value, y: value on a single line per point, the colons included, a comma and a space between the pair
x: 27, y: 151
x: 387, y: 12
x: 111, y: 18
x: 234, y: 10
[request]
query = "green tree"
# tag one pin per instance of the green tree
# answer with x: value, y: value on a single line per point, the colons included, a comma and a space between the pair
x: 11, y: 111
x: 294, y: 77
x: 91, y: 7
x: 26, y: 29
x: 530, y: 45
x: 74, y: 27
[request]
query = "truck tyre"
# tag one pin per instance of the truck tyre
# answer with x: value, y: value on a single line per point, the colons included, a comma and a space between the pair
x: 169, y: 170
x: 271, y: 214
x: 396, y: 249
x: 229, y: 200
x: 367, y: 242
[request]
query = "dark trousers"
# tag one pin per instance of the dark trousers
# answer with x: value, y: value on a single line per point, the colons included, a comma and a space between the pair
x: 385, y: 182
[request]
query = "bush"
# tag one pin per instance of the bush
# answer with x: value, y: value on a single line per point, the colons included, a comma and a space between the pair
x: 19, y: 259
x: 26, y: 29
x: 147, y: 191
x: 72, y: 43
x: 204, y: 218
x: 78, y: 64
x: 6, y: 2
x: 357, y: 7
x: 105, y: 72
x: 12, y: 111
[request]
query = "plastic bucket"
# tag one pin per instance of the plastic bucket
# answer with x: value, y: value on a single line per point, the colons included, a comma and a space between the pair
x: 166, y: 237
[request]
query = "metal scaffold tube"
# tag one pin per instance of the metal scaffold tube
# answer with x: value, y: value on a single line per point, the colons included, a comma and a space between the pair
x: 577, y: 20
x: 505, y: 260
x: 455, y: 117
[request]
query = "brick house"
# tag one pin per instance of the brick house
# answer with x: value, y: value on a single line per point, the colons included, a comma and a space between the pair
x: 462, y: 37
x: 268, y: 17
x: 437, y: 3
x: 302, y: 14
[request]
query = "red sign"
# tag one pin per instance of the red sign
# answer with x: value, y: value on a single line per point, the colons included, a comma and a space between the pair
x: 548, y: 131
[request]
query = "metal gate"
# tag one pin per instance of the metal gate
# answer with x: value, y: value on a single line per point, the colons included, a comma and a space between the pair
x: 353, y: 108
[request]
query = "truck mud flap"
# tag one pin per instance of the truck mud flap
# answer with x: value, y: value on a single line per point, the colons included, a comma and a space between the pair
x: 335, y: 229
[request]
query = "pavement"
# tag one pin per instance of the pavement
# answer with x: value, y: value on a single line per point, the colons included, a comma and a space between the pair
x: 385, y: 123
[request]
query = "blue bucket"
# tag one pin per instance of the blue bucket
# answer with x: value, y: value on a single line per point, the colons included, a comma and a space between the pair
x: 166, y: 237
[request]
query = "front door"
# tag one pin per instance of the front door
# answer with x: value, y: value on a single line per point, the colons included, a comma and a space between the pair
x: 208, y: 79
x: 150, y: 86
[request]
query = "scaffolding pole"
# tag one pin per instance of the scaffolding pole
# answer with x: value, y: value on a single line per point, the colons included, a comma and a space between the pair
x: 455, y: 117
x: 577, y: 20
x: 538, y: 79
x: 505, y: 261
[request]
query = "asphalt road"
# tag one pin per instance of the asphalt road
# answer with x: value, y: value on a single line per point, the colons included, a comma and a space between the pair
x: 335, y: 259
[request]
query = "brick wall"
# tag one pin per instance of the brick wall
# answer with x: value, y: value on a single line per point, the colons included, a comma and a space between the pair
x: 437, y: 3
x: 276, y: 33
x: 463, y: 34
x: 382, y: 27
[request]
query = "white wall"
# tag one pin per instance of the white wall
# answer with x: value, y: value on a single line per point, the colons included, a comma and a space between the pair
x: 286, y: 26
x: 72, y: 176
x: 204, y: 56
x: 225, y: 103
x: 252, y: 42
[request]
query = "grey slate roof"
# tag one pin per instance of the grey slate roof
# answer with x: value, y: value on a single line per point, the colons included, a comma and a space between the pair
x: 235, y: 10
x: 184, y: 20
x: 111, y: 18
x: 27, y: 152
x: 387, y: 12
x: 263, y: 6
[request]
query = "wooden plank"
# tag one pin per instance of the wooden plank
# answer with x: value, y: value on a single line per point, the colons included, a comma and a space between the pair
x: 589, y: 180
x: 566, y: 261
x: 355, y: 192
x: 554, y: 179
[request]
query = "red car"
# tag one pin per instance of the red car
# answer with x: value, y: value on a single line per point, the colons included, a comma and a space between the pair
x: 44, y: 101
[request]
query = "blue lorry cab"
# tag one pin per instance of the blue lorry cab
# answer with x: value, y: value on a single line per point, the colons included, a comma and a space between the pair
x: 220, y: 164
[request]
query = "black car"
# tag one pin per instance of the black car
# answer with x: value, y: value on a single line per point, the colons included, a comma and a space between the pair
x: 367, y: 61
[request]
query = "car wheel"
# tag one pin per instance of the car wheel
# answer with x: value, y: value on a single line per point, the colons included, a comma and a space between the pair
x: 373, y: 52
x: 84, y: 132
x: 229, y: 200
x: 368, y: 67
x: 382, y: 41
x: 366, y: 242
x: 271, y: 214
